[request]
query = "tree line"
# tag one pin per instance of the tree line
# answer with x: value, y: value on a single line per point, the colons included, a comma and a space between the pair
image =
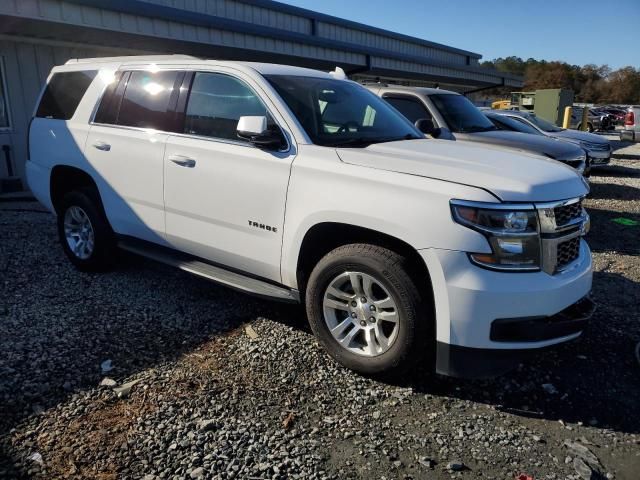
x: 590, y: 83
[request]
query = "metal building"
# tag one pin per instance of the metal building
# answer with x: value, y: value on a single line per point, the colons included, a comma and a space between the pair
x: 38, y: 34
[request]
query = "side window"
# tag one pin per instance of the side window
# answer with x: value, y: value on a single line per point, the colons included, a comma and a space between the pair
x: 63, y: 94
x: 149, y: 100
x: 110, y: 102
x: 411, y: 108
x: 499, y: 124
x: 4, y: 100
x: 520, y: 120
x: 216, y: 103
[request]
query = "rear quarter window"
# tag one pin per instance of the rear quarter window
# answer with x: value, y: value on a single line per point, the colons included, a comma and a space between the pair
x: 63, y: 93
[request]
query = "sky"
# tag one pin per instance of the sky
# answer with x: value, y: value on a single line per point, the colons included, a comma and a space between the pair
x: 575, y: 31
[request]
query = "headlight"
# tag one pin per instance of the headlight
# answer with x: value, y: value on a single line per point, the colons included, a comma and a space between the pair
x: 511, y: 230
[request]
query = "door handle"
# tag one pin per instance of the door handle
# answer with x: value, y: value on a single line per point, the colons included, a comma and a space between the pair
x: 183, y: 161
x: 105, y: 147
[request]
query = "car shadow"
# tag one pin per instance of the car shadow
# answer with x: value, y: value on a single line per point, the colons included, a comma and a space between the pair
x: 612, y: 231
x: 613, y: 191
x: 594, y: 380
x: 615, y: 171
x: 161, y: 315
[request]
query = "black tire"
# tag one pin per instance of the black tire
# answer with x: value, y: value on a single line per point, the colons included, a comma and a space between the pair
x: 390, y: 269
x: 102, y: 256
x: 589, y: 128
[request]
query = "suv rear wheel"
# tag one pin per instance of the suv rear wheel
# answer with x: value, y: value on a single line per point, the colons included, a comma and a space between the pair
x: 85, y: 233
x: 365, y: 308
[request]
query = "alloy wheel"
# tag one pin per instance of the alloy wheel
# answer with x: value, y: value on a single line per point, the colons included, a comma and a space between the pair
x: 78, y: 232
x: 361, y: 314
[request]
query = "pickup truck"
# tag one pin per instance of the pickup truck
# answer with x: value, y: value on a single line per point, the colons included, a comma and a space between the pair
x: 631, y: 131
x: 302, y: 186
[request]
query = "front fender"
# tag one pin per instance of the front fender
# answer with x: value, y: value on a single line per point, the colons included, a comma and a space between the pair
x: 407, y: 207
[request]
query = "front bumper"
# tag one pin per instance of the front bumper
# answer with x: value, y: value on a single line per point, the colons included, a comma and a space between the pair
x: 598, y: 158
x: 466, y: 362
x: 469, y: 299
x: 629, y: 136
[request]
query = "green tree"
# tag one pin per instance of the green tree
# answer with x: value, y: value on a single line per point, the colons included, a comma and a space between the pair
x: 590, y: 83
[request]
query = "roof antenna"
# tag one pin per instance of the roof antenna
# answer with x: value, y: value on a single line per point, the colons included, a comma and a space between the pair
x: 338, y: 74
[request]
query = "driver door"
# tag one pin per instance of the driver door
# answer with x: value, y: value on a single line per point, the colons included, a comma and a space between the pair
x: 224, y: 197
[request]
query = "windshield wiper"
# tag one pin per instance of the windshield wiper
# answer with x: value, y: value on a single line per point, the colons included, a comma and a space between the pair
x: 478, y: 129
x: 365, y: 141
x: 352, y: 142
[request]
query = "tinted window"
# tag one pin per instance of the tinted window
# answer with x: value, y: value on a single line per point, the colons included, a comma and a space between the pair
x: 461, y: 115
x: 341, y: 113
x: 216, y: 103
x: 63, y: 94
x: 543, y: 124
x: 411, y: 108
x: 4, y: 104
x: 108, y: 109
x: 510, y: 123
x: 149, y: 100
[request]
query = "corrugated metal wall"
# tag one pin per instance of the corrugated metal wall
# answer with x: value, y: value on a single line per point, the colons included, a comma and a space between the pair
x: 242, y: 12
x: 67, y: 12
x: 394, y: 64
x: 297, y: 23
x: 27, y: 65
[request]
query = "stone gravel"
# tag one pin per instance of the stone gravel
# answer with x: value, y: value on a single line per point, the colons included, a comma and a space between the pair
x: 150, y: 373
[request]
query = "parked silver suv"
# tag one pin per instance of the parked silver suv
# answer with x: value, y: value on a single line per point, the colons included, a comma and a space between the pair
x: 451, y: 116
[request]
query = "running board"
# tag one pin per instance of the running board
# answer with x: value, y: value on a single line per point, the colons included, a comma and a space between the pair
x: 237, y: 281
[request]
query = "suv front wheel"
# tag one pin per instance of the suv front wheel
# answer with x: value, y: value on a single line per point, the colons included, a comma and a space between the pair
x: 365, y: 309
x: 85, y: 233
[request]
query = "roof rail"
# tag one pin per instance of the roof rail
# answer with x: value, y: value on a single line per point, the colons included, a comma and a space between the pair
x: 141, y: 58
x: 374, y: 82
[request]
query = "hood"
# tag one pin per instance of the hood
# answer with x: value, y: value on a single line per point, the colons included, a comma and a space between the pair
x: 538, y: 144
x: 580, y: 136
x: 510, y: 176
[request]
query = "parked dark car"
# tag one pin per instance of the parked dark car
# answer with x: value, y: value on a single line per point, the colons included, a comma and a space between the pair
x: 598, y: 148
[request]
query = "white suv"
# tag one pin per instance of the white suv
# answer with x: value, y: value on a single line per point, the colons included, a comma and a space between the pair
x: 305, y: 187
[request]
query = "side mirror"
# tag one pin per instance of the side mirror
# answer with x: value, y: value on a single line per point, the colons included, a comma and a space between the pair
x: 256, y: 131
x: 426, y: 126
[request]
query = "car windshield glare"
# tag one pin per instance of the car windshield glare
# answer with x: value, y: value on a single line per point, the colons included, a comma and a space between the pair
x: 461, y: 115
x: 513, y: 124
x: 341, y: 113
x: 543, y: 124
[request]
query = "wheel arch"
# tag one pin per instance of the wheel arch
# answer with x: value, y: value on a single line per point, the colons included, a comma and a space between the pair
x: 64, y: 179
x: 323, y: 237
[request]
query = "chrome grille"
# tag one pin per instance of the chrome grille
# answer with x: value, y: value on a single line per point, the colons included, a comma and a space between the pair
x: 565, y: 213
x: 568, y: 252
x: 562, y: 225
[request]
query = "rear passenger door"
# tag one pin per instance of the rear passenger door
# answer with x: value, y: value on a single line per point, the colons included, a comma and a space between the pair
x: 224, y: 197
x: 126, y: 148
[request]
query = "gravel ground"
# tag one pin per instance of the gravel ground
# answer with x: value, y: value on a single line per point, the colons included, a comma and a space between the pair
x: 227, y: 386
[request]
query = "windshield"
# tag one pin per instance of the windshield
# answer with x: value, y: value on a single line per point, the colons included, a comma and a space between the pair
x: 510, y: 123
x: 461, y: 115
x: 543, y: 124
x: 341, y: 113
